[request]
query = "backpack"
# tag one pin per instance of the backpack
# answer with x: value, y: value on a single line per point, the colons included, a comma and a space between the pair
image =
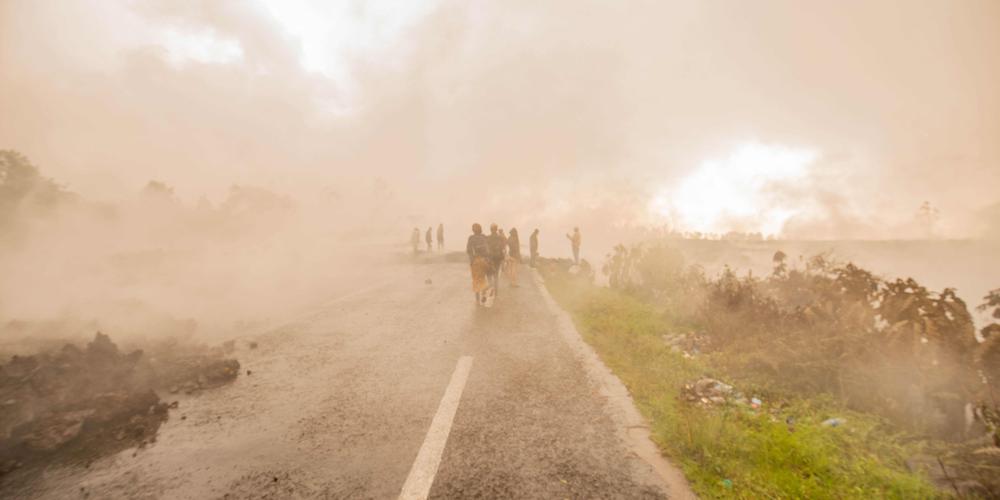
x: 497, y: 246
x: 480, y: 247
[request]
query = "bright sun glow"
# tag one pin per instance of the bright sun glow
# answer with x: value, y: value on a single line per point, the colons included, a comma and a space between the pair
x: 732, y: 193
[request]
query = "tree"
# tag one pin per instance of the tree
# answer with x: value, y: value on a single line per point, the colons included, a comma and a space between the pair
x: 989, y: 352
x: 21, y: 185
x: 780, y: 267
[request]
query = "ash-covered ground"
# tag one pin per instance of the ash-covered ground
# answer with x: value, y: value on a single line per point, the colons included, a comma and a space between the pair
x: 73, y: 404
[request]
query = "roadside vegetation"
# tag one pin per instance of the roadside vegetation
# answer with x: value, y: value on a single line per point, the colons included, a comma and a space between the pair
x: 820, y: 382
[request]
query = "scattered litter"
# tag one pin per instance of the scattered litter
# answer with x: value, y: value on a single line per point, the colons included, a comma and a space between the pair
x: 709, y: 391
x: 687, y: 344
x: 727, y: 484
x: 755, y: 403
x: 833, y: 422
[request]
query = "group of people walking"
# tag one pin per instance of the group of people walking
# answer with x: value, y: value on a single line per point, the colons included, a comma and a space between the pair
x: 498, y: 253
x: 492, y: 255
x: 415, y: 238
x: 495, y: 254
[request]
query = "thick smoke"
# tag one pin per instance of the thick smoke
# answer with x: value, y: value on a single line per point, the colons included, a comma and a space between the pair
x: 495, y: 99
x: 548, y: 115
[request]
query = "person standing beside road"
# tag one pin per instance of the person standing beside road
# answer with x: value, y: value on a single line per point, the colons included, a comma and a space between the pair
x: 513, y: 256
x: 427, y: 238
x: 574, y: 240
x: 533, y: 246
x: 478, y: 249
x: 497, y: 244
x: 440, y: 235
x: 415, y: 240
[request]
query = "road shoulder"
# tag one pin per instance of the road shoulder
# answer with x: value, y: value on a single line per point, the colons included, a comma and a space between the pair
x: 633, y: 429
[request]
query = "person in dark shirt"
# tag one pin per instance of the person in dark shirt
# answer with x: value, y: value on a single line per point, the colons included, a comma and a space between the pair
x: 478, y: 249
x: 533, y: 246
x: 428, y: 239
x: 498, y: 249
x: 513, y: 256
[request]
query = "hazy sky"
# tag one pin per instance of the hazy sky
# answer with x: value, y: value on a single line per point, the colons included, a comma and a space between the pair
x: 814, y: 118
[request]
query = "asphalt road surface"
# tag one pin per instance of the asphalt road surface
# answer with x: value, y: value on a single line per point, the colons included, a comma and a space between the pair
x: 398, y: 388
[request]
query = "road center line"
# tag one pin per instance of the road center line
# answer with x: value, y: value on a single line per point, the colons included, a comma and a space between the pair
x: 425, y: 467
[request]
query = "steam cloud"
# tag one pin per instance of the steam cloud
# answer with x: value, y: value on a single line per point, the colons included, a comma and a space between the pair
x: 531, y: 114
x: 490, y: 101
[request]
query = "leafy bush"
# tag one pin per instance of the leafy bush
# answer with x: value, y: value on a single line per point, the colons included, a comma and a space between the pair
x: 890, y: 347
x: 731, y: 451
x: 656, y: 271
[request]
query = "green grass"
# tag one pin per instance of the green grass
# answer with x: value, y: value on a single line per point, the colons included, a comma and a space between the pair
x: 754, y: 450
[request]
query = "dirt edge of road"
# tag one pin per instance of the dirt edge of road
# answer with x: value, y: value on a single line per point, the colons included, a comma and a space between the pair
x: 632, y: 427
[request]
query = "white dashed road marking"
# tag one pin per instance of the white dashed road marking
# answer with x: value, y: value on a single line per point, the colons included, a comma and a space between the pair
x: 425, y: 467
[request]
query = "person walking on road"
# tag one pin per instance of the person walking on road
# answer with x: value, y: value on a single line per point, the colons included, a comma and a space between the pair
x: 513, y: 256
x: 428, y: 239
x: 503, y: 238
x: 478, y: 249
x: 415, y: 240
x: 440, y: 236
x: 498, y: 246
x: 533, y: 246
x: 574, y: 240
x: 503, y: 246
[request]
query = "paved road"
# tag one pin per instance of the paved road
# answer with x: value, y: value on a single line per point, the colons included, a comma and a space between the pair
x: 340, y: 403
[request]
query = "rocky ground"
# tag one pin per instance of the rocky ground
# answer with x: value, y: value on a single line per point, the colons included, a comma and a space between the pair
x: 77, y: 403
